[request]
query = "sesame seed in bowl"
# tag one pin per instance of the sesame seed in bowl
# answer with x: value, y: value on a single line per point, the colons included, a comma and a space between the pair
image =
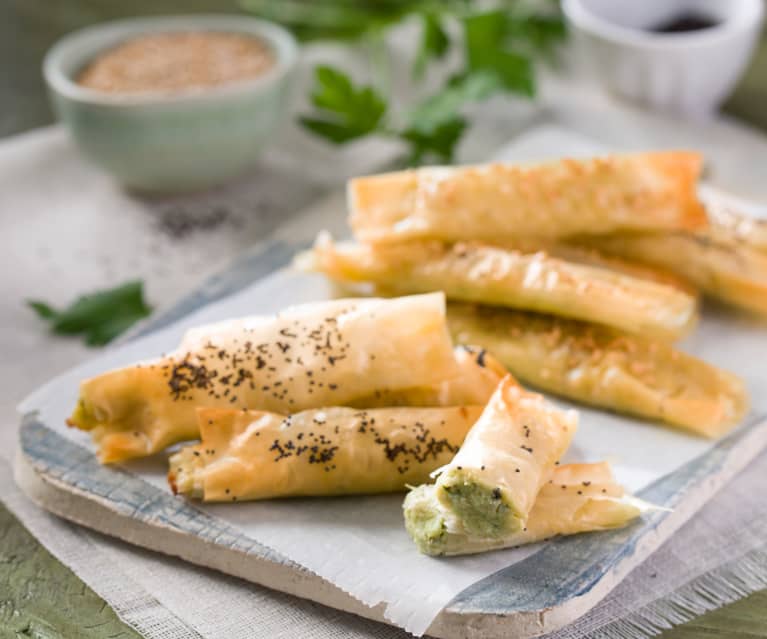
x: 177, y: 62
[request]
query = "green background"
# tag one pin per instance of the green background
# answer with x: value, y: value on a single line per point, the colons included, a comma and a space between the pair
x: 39, y: 596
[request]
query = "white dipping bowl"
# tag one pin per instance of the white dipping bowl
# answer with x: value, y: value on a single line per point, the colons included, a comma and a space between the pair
x: 689, y: 73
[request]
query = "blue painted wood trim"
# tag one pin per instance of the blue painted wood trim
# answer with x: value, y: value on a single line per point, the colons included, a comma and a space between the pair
x: 565, y: 568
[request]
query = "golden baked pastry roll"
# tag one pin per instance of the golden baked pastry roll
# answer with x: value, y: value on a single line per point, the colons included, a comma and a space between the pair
x: 606, y: 368
x: 506, y: 277
x: 509, y: 453
x: 312, y: 355
x: 578, y: 498
x: 329, y: 451
x: 478, y: 376
x: 729, y: 225
x: 632, y: 268
x: 562, y: 198
x: 727, y: 261
x: 734, y: 274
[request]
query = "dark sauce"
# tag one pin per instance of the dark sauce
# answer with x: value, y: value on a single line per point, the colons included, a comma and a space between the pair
x: 685, y: 22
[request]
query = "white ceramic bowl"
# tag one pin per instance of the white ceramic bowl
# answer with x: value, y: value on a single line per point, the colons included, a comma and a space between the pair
x: 174, y: 142
x: 687, y: 72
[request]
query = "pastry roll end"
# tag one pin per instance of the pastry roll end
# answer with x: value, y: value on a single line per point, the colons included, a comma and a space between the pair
x: 185, y: 474
x: 122, y: 412
x: 426, y: 521
x: 490, y: 485
x: 578, y: 498
x: 486, y: 510
x: 380, y: 202
x: 682, y: 170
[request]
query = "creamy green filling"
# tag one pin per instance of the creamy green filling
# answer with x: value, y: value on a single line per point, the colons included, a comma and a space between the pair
x: 127, y: 415
x: 82, y: 417
x: 424, y: 521
x: 482, y: 510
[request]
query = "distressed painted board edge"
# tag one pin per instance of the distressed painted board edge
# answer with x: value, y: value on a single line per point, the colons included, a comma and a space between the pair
x: 66, y: 479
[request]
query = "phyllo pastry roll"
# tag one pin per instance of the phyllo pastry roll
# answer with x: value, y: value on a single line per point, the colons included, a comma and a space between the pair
x: 603, y: 367
x: 329, y: 451
x: 506, y: 277
x: 727, y: 261
x: 726, y: 224
x: 496, y: 202
x: 632, y: 268
x: 491, y: 484
x: 307, y: 356
x: 478, y: 376
x: 578, y: 498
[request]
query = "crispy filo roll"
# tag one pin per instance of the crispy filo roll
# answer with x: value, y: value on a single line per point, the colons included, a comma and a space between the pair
x: 478, y: 376
x: 509, y: 453
x: 606, y: 368
x: 330, y: 451
x: 727, y: 224
x: 498, y: 202
x: 313, y: 355
x: 506, y: 277
x: 593, y: 257
x: 578, y: 498
x: 727, y: 261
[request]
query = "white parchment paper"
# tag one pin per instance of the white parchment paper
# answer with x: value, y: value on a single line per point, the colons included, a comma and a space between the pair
x: 360, y: 544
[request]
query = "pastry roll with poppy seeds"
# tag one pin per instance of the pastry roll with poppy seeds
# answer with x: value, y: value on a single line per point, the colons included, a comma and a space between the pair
x: 491, y: 484
x: 603, y: 367
x: 308, y: 356
x: 578, y: 498
x: 330, y: 451
x: 505, y: 277
x: 478, y: 376
x: 500, y: 202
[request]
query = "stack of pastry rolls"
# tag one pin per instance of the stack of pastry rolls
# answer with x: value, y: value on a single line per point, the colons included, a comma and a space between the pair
x: 578, y: 274
x: 354, y: 396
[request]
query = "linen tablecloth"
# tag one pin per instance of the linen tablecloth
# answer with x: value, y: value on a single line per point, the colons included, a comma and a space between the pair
x: 48, y: 195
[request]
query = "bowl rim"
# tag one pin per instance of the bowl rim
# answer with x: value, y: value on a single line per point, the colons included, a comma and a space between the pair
x: 281, y: 41
x: 749, y: 20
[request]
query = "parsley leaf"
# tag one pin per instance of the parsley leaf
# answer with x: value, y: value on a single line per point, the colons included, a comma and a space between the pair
x: 440, y: 141
x: 536, y: 33
x: 344, y: 112
x: 486, y: 42
x: 99, y: 317
x: 436, y: 125
x: 42, y: 309
x: 434, y: 43
x: 447, y: 103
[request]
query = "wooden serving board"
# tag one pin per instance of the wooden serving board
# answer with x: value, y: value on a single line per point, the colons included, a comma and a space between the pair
x: 530, y: 598
x: 534, y: 596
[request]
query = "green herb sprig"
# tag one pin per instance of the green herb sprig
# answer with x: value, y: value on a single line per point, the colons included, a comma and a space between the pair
x: 100, y: 316
x: 498, y: 47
